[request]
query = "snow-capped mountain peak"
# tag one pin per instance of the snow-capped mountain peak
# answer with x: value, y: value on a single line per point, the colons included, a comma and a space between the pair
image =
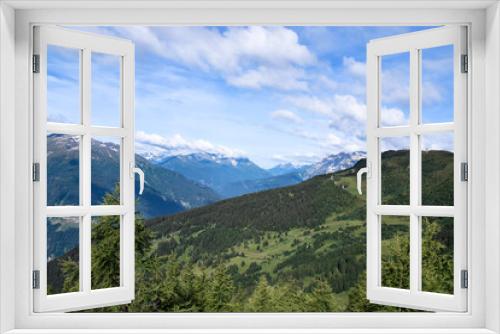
x: 334, y: 163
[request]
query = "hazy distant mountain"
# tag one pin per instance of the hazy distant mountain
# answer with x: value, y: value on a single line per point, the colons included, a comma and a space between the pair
x: 214, y: 170
x: 286, y: 168
x: 234, y: 176
x: 252, y: 186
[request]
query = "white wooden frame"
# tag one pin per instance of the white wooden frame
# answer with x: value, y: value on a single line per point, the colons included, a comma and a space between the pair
x: 484, y: 19
x: 86, y: 43
x: 412, y: 43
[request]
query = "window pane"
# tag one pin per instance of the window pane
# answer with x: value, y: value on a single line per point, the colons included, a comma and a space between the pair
x: 105, y: 252
x: 395, y: 232
x: 437, y: 169
x: 63, y: 239
x: 395, y: 89
x: 437, y: 84
x: 63, y: 170
x: 105, y: 172
x: 106, y: 90
x: 437, y: 254
x: 63, y: 84
x: 395, y: 171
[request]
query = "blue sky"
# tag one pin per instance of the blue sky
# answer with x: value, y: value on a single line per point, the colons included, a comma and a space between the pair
x: 273, y: 94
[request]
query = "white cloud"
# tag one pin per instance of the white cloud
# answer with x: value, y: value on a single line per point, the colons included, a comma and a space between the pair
x: 281, y: 78
x: 442, y: 65
x: 156, y: 144
x: 395, y: 84
x: 438, y: 141
x: 333, y: 140
x: 348, y: 105
x: 431, y: 92
x: 344, y: 117
x: 334, y: 107
x: 353, y: 66
x: 392, y: 117
x: 251, y: 57
x: 394, y: 143
x: 230, y: 49
x: 324, y: 82
x: 144, y: 37
x: 286, y: 115
x: 298, y: 159
x: 273, y: 45
x: 311, y: 103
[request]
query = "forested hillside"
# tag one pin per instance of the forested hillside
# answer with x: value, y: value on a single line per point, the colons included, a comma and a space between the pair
x: 297, y: 248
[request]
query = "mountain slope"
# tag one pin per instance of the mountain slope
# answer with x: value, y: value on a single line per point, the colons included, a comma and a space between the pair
x: 214, y: 170
x: 165, y: 191
x: 253, y: 186
x: 226, y: 223
x: 311, y: 230
x: 291, y: 237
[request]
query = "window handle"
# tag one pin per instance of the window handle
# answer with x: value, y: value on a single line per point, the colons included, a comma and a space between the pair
x: 138, y: 171
x: 359, y: 176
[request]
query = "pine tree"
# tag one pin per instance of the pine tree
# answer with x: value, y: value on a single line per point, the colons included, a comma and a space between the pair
x: 357, y: 298
x: 105, y: 258
x: 105, y: 252
x: 220, y: 291
x: 321, y: 298
x: 396, y: 262
x: 71, y: 275
x: 437, y: 259
x: 261, y: 299
x: 288, y: 298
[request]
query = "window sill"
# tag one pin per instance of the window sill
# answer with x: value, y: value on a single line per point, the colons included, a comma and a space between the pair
x: 253, y: 331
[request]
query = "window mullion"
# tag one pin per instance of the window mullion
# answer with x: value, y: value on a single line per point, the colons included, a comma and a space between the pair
x: 406, y: 210
x: 85, y: 180
x: 433, y: 128
x: 415, y: 266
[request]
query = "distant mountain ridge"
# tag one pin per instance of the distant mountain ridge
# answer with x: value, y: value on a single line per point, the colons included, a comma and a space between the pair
x: 286, y: 168
x: 214, y: 170
x: 234, y: 176
x: 333, y: 163
x: 329, y: 164
x: 165, y: 191
x: 251, y: 186
x: 174, y: 183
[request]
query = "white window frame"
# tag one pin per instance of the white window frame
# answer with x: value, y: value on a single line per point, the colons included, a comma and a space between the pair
x: 86, y: 44
x: 413, y: 43
x: 16, y: 20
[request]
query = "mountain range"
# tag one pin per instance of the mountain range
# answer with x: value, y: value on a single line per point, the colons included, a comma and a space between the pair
x: 214, y: 170
x: 235, y: 176
x: 165, y: 191
x: 174, y: 183
x: 332, y: 163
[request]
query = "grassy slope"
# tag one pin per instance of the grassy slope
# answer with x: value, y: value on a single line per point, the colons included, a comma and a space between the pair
x: 315, y: 229
x: 318, y: 232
